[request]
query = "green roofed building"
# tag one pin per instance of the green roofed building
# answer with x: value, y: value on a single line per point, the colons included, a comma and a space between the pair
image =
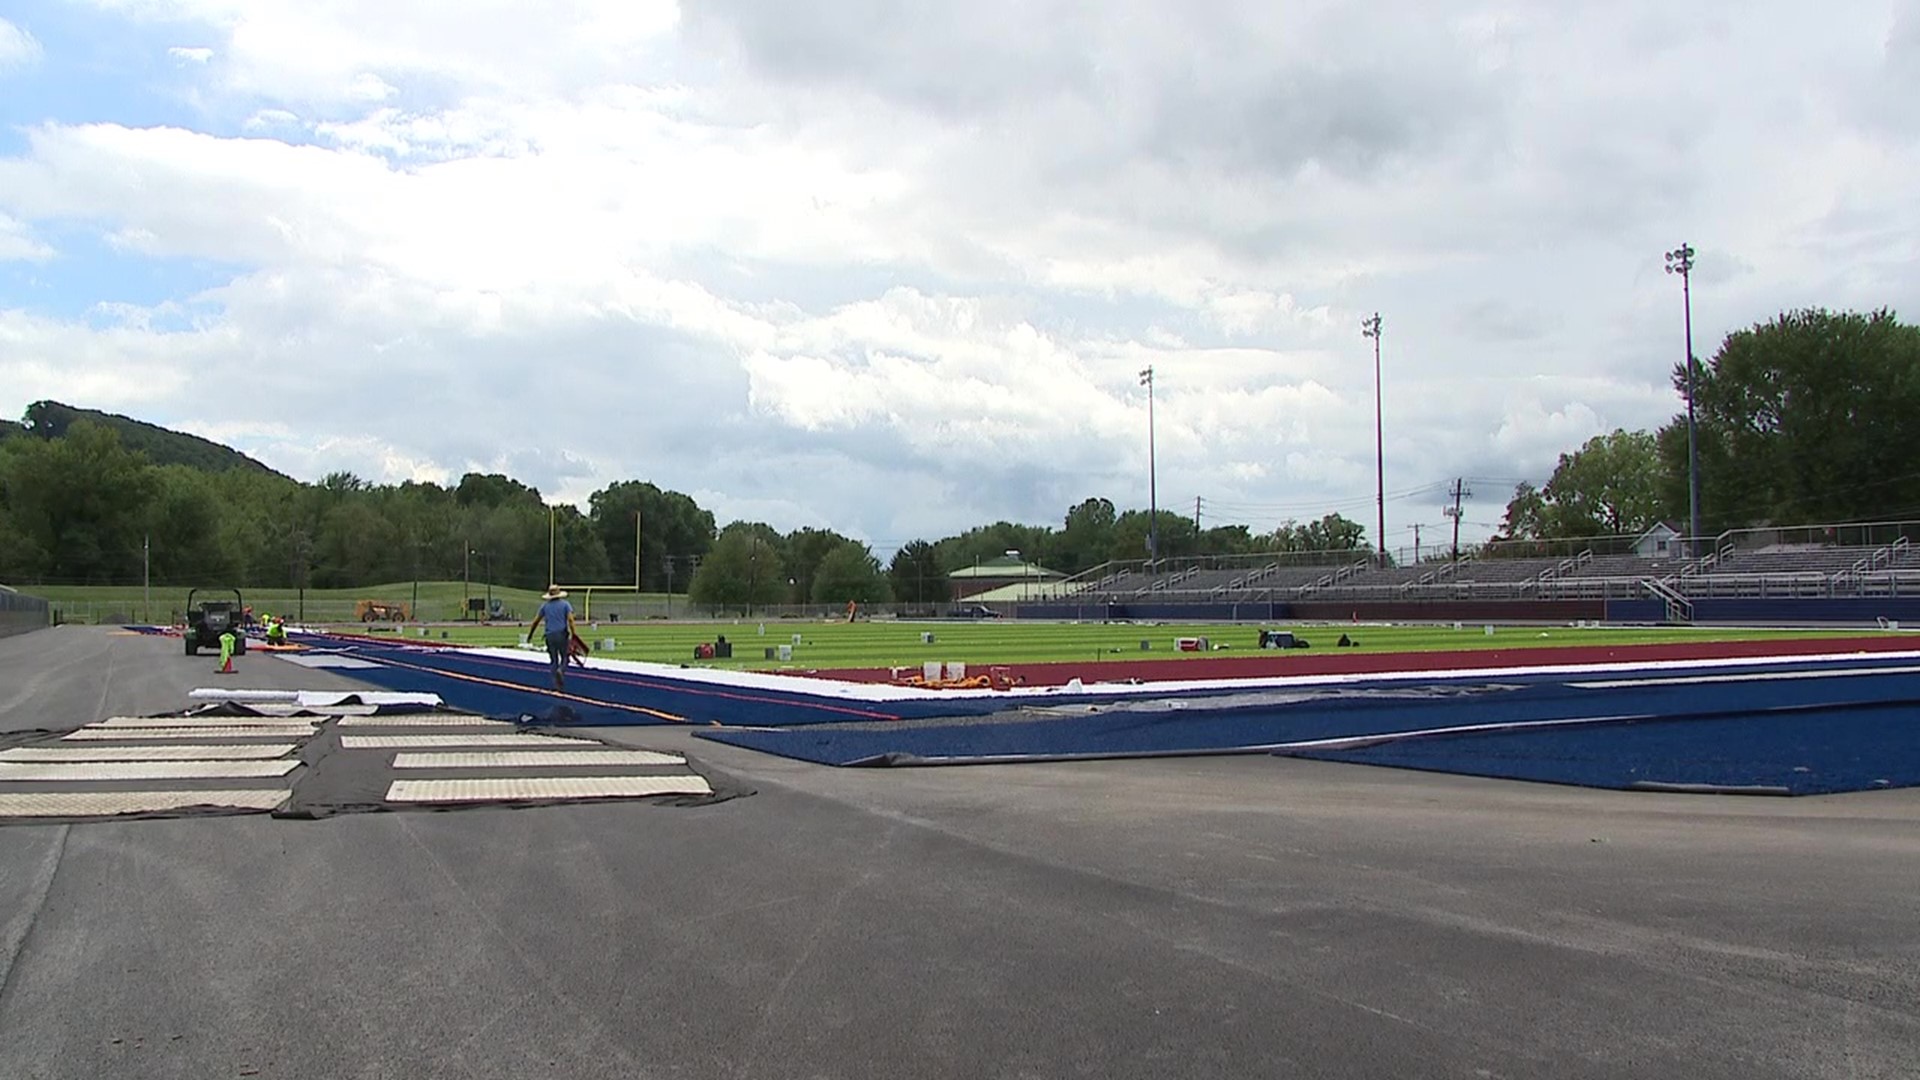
x: 1008, y: 577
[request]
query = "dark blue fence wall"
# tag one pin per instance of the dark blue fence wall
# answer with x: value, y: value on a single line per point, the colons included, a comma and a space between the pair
x: 20, y: 613
x: 1855, y: 609
x: 1326, y: 611
x: 1451, y: 610
x: 1249, y: 612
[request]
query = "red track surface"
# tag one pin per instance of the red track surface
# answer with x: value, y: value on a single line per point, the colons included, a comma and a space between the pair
x: 1278, y: 662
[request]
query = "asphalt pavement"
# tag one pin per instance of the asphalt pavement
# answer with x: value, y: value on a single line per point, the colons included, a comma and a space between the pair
x: 1244, y: 916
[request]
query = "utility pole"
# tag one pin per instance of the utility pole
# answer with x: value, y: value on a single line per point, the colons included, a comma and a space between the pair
x: 1458, y: 491
x: 1371, y: 328
x: 636, y: 555
x: 146, y: 578
x: 300, y: 571
x: 1153, y: 500
x: 1196, y: 515
x: 1416, y: 543
x: 1680, y: 261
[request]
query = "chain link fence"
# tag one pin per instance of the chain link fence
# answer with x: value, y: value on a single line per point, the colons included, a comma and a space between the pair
x: 20, y: 613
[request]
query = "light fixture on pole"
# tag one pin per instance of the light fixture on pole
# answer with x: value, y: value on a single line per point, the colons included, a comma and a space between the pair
x: 1371, y: 328
x: 1680, y: 261
x: 1153, y: 495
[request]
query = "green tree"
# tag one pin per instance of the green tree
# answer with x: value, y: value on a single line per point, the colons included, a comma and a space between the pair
x: 742, y: 571
x: 672, y: 526
x: 1807, y: 417
x: 1227, y: 540
x: 984, y: 542
x: 494, y: 489
x: 1332, y: 533
x: 1608, y: 487
x: 77, y: 504
x: 849, y: 572
x: 1528, y: 517
x: 807, y: 549
x: 579, y: 555
x: 1177, y: 535
x: 186, y: 547
x: 1087, y: 540
x: 916, y: 576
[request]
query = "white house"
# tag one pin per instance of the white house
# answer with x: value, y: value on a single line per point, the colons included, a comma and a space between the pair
x: 1660, y: 542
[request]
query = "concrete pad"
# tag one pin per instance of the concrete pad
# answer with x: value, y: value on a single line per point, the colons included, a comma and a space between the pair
x: 546, y: 787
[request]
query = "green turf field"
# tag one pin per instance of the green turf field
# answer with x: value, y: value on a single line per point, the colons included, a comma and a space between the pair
x: 835, y: 644
x: 887, y: 643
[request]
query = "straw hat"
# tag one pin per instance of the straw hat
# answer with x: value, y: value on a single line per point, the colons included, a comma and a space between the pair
x: 554, y: 592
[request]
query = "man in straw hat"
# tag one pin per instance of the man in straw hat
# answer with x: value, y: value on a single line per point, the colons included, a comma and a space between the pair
x: 557, y: 615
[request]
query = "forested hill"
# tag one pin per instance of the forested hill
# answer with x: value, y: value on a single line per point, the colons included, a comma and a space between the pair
x: 51, y: 419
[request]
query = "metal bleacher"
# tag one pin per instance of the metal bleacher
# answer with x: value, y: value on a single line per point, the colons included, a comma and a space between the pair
x: 1737, y: 564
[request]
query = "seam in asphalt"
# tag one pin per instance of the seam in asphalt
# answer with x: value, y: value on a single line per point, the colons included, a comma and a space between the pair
x: 14, y: 941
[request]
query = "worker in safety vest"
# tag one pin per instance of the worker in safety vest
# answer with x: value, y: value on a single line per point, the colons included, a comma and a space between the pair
x: 276, y: 630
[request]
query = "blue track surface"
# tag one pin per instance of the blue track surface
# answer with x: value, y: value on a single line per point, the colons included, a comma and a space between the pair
x: 1794, y: 726
x: 1808, y: 734
x: 497, y: 686
x: 1811, y: 753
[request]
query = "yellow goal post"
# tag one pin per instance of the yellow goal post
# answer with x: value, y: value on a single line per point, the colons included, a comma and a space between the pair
x: 585, y: 592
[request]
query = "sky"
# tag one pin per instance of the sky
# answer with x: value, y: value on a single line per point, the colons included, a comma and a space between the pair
x: 894, y: 268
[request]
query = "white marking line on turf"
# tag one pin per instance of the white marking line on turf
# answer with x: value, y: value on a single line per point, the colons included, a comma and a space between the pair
x: 545, y: 787
x: 415, y: 742
x: 424, y: 720
x: 1758, y: 676
x: 198, y: 722
x: 271, y: 731
x: 109, y: 803
x: 220, y: 752
x: 512, y: 759
x: 146, y: 770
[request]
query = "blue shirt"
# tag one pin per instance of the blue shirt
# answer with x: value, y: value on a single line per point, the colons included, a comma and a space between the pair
x: 555, y: 612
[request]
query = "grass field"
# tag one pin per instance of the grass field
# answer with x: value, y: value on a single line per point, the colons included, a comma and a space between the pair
x: 887, y: 643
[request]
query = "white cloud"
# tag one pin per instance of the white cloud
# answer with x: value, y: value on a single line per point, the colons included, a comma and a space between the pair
x: 18, y: 49
x: 17, y: 242
x: 344, y: 52
x: 896, y: 275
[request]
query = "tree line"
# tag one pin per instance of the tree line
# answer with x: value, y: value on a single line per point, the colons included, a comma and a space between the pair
x: 79, y: 506
x: 1804, y: 418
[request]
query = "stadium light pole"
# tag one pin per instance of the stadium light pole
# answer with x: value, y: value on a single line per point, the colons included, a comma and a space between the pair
x: 1371, y: 328
x: 1153, y: 495
x: 1680, y: 261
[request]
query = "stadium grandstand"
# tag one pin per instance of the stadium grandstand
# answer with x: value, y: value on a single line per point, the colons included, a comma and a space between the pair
x: 1653, y: 576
